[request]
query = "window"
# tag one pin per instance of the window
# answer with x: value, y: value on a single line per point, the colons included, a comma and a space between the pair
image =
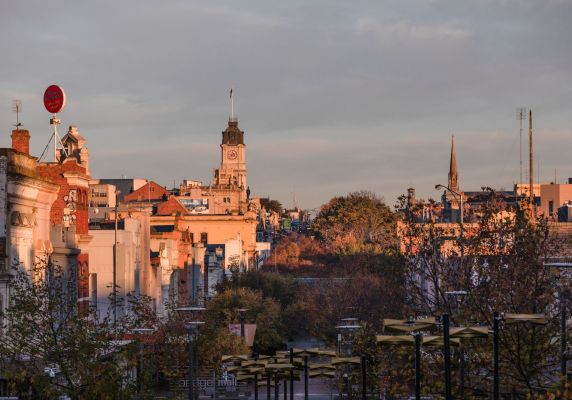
x: 551, y: 207
x: 204, y: 238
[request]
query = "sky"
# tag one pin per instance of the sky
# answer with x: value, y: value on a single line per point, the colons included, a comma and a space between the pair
x: 334, y: 96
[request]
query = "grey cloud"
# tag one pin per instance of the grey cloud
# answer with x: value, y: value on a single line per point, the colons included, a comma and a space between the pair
x: 333, y: 95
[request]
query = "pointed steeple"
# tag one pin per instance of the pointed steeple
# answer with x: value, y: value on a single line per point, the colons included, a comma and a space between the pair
x: 453, y: 174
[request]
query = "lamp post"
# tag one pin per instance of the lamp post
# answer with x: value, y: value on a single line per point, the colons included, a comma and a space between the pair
x: 412, y: 327
x: 457, y: 293
x: 348, y: 327
x: 305, y: 353
x: 447, y: 355
x: 192, y: 327
x: 114, y: 295
x: 538, y: 319
x: 141, y: 331
x: 417, y: 365
x: 242, y: 312
x: 562, y: 266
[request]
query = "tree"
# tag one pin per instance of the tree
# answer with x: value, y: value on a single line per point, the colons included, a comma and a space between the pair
x: 276, y: 206
x: 499, y: 261
x: 48, y: 349
x: 357, y: 223
x: 222, y: 310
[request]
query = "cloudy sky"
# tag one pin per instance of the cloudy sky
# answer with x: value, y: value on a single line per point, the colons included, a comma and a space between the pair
x: 334, y: 95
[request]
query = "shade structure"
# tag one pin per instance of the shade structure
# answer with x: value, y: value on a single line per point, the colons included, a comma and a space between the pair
x: 306, y: 352
x: 404, y: 325
x: 254, y: 363
x: 438, y: 341
x: 537, y: 319
x: 255, y: 370
x: 235, y: 357
x: 242, y: 378
x: 286, y: 360
x: 282, y: 353
x: 469, y: 332
x: 236, y: 368
x: 346, y: 360
x: 264, y: 383
x: 395, y: 340
x: 278, y: 367
x: 322, y: 374
x: 328, y: 353
x: 318, y: 366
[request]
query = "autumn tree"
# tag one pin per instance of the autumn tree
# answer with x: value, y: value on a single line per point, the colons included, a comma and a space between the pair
x: 498, y: 260
x: 357, y: 223
x: 222, y: 310
x: 48, y: 349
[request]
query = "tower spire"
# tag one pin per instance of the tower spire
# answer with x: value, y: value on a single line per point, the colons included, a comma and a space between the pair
x: 453, y: 182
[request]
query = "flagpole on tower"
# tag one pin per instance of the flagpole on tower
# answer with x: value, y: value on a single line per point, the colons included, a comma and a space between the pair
x: 231, y: 106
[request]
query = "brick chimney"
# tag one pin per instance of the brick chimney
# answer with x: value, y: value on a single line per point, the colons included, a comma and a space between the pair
x: 21, y: 140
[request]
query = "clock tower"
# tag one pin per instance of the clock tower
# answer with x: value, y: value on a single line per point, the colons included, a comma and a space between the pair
x: 232, y: 171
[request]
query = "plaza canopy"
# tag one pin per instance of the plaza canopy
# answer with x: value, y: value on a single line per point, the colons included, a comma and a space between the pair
x: 404, y: 325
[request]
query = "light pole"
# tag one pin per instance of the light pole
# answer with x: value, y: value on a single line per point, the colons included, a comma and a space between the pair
x: 114, y: 295
x: 447, y: 355
x: 562, y: 266
x: 349, y: 326
x: 242, y: 312
x: 141, y: 331
x: 192, y: 327
x: 457, y: 293
x: 538, y: 319
x: 412, y: 327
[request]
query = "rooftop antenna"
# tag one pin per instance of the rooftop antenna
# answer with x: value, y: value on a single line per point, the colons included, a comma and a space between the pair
x: 17, y: 107
x: 521, y: 116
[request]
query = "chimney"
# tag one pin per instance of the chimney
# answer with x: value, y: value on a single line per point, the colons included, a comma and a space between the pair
x: 21, y: 140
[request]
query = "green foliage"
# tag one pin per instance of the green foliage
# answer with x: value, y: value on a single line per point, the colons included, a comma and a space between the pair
x: 48, y: 347
x: 499, y: 261
x: 275, y: 205
x: 222, y: 310
x: 357, y: 223
x: 281, y: 288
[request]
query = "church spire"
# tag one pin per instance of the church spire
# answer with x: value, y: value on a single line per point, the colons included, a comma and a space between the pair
x: 453, y: 174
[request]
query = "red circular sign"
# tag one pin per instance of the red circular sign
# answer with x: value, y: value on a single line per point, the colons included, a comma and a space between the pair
x: 54, y: 99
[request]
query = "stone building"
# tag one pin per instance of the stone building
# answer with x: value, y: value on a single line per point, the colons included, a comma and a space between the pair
x: 69, y: 212
x: 26, y: 198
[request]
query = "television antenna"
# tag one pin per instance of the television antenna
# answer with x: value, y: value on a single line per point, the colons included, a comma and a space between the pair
x: 17, y: 107
x: 521, y: 116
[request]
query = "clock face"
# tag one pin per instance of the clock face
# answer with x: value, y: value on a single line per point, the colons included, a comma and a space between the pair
x: 232, y: 154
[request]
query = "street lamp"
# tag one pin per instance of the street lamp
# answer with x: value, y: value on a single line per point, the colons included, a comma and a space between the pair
x: 117, y: 192
x: 562, y: 266
x: 349, y: 326
x: 192, y: 327
x: 305, y: 353
x: 538, y: 319
x: 411, y: 326
x: 141, y: 331
x: 242, y: 312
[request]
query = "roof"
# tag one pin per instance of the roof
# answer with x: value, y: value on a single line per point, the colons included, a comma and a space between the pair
x: 171, y: 207
x: 150, y: 191
x: 232, y: 135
